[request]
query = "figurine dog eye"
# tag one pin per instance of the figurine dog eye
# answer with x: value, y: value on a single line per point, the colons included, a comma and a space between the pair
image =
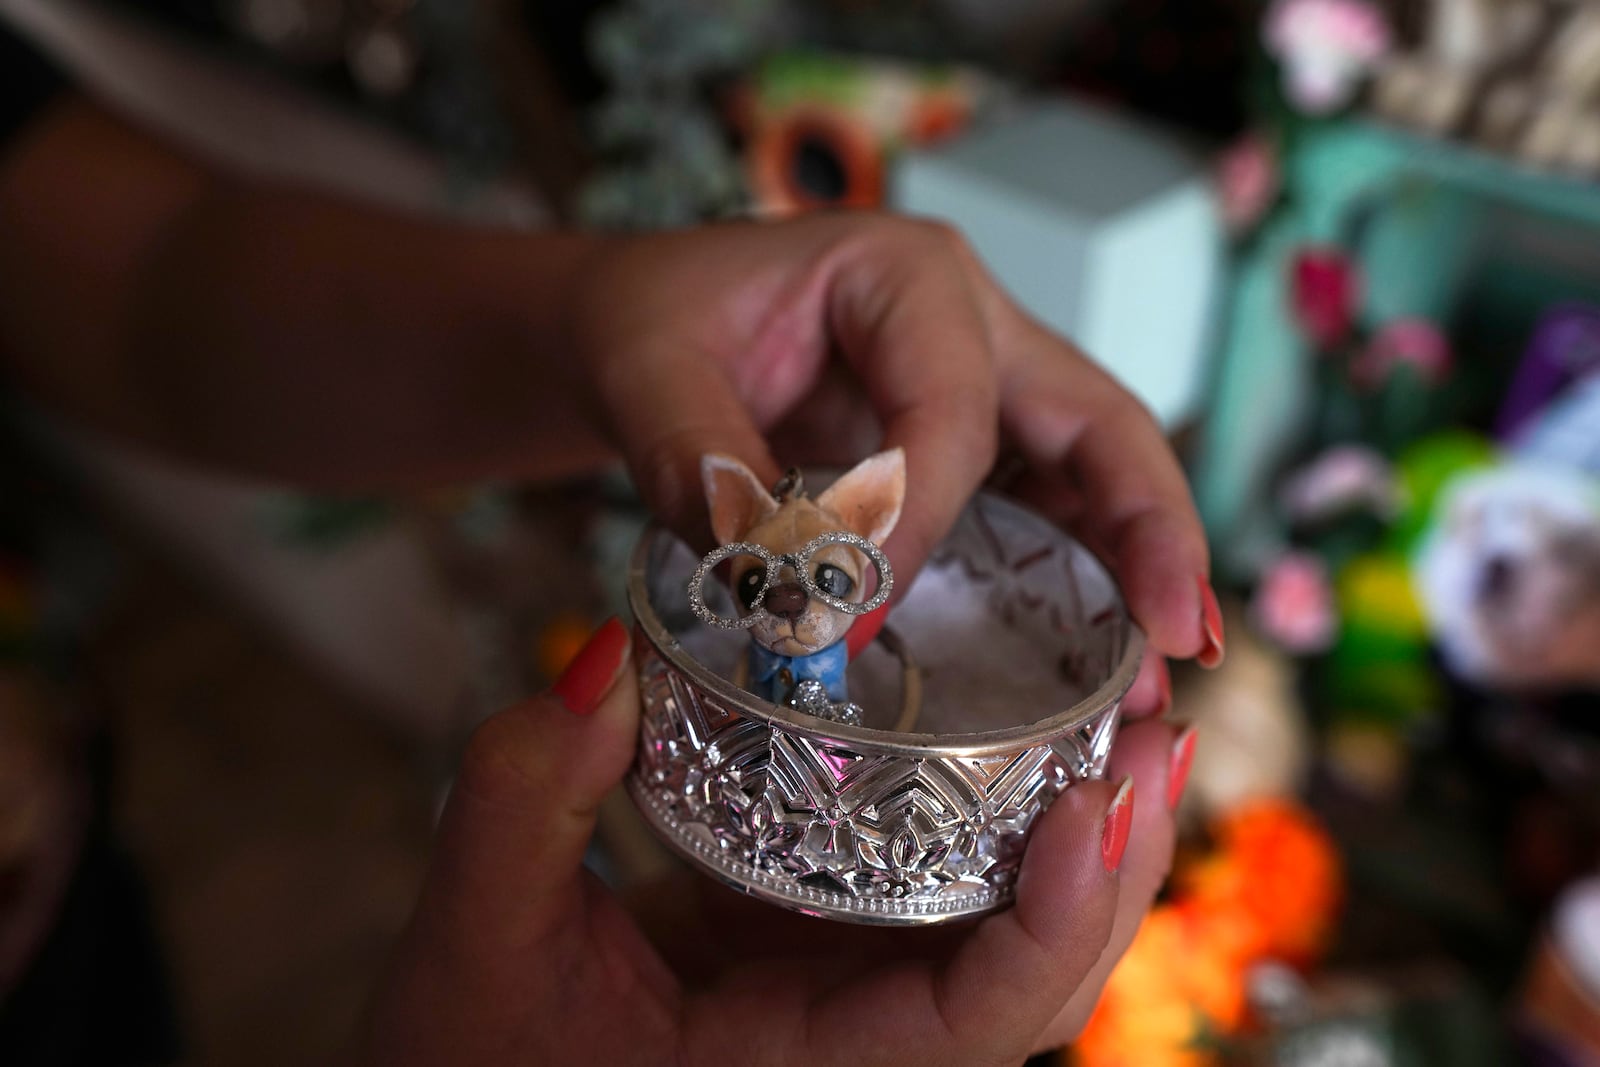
x: 833, y: 581
x: 748, y: 587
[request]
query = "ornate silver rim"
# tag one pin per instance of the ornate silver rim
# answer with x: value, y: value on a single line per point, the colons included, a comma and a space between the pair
x: 917, y: 745
x: 786, y: 892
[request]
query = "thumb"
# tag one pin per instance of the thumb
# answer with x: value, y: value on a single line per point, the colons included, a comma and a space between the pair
x: 673, y: 408
x: 988, y: 1002
x: 510, y: 848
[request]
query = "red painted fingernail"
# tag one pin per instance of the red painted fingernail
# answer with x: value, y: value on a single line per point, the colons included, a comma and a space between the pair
x: 1119, y: 820
x: 1211, y: 625
x: 593, y: 671
x: 1178, y: 766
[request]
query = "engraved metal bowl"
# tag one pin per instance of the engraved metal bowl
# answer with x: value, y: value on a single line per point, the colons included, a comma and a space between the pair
x: 1025, y: 651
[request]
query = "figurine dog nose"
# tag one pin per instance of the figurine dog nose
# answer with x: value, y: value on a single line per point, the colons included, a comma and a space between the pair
x: 787, y: 600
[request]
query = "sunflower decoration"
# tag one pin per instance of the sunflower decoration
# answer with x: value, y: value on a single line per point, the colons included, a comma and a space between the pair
x: 820, y: 130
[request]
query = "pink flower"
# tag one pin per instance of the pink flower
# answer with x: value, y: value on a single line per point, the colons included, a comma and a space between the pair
x: 1325, y: 48
x: 1247, y: 181
x: 1324, y: 293
x: 1343, y: 478
x: 1293, y: 605
x: 1416, y: 343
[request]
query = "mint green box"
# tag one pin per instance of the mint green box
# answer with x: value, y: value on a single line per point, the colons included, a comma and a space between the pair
x: 1104, y: 229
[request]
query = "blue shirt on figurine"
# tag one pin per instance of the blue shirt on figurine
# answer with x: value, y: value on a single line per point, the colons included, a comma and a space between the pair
x: 773, y: 675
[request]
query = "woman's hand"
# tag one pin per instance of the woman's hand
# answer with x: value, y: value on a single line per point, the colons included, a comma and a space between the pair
x: 823, y: 338
x: 812, y: 340
x: 314, y: 340
x: 518, y: 955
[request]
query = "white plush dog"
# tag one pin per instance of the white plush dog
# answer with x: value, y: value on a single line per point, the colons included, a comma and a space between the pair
x: 1510, y: 577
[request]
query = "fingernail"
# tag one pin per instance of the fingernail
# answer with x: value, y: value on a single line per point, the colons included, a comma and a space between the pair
x: 1119, y: 819
x: 593, y: 671
x: 1211, y: 625
x: 1178, y: 766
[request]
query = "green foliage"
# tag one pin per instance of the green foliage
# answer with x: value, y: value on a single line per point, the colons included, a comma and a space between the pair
x: 1423, y: 469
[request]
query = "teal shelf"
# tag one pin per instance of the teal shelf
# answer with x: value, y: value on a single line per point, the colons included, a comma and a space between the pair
x: 1427, y: 220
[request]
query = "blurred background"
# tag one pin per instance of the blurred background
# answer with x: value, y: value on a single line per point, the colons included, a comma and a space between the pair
x: 1347, y: 251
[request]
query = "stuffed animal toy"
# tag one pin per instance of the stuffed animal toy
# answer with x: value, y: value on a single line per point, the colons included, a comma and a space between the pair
x: 1509, y: 573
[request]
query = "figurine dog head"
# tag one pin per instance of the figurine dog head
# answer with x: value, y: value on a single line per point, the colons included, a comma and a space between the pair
x: 866, y: 501
x: 1510, y: 576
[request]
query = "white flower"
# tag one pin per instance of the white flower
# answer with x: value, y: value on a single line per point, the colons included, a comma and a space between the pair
x: 1325, y: 47
x: 1345, y: 478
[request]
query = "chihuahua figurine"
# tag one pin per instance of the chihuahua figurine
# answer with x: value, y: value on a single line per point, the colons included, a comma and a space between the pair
x: 799, y: 567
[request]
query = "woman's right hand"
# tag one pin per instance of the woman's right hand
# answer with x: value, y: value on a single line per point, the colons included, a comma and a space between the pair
x: 823, y: 338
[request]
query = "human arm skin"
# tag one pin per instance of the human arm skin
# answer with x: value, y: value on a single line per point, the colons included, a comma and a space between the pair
x: 278, y: 332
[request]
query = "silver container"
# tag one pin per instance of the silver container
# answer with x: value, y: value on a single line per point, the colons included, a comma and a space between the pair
x: 1024, y: 651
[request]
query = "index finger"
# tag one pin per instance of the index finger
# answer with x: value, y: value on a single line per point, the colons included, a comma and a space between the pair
x: 905, y: 315
x: 682, y: 407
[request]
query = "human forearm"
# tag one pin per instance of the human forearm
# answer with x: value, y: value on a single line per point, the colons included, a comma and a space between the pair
x: 282, y: 333
x: 313, y: 340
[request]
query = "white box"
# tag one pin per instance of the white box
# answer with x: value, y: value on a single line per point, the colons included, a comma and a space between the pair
x: 1104, y: 229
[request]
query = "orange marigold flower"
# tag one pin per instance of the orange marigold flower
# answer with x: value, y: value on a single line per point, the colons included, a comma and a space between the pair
x: 1270, y: 889
x: 1277, y: 867
x: 1158, y: 1004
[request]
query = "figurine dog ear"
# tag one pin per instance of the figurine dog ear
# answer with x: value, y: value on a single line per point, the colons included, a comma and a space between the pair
x: 735, y: 497
x: 869, y: 496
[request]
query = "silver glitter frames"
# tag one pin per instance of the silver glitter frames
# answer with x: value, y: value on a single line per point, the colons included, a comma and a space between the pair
x: 801, y: 562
